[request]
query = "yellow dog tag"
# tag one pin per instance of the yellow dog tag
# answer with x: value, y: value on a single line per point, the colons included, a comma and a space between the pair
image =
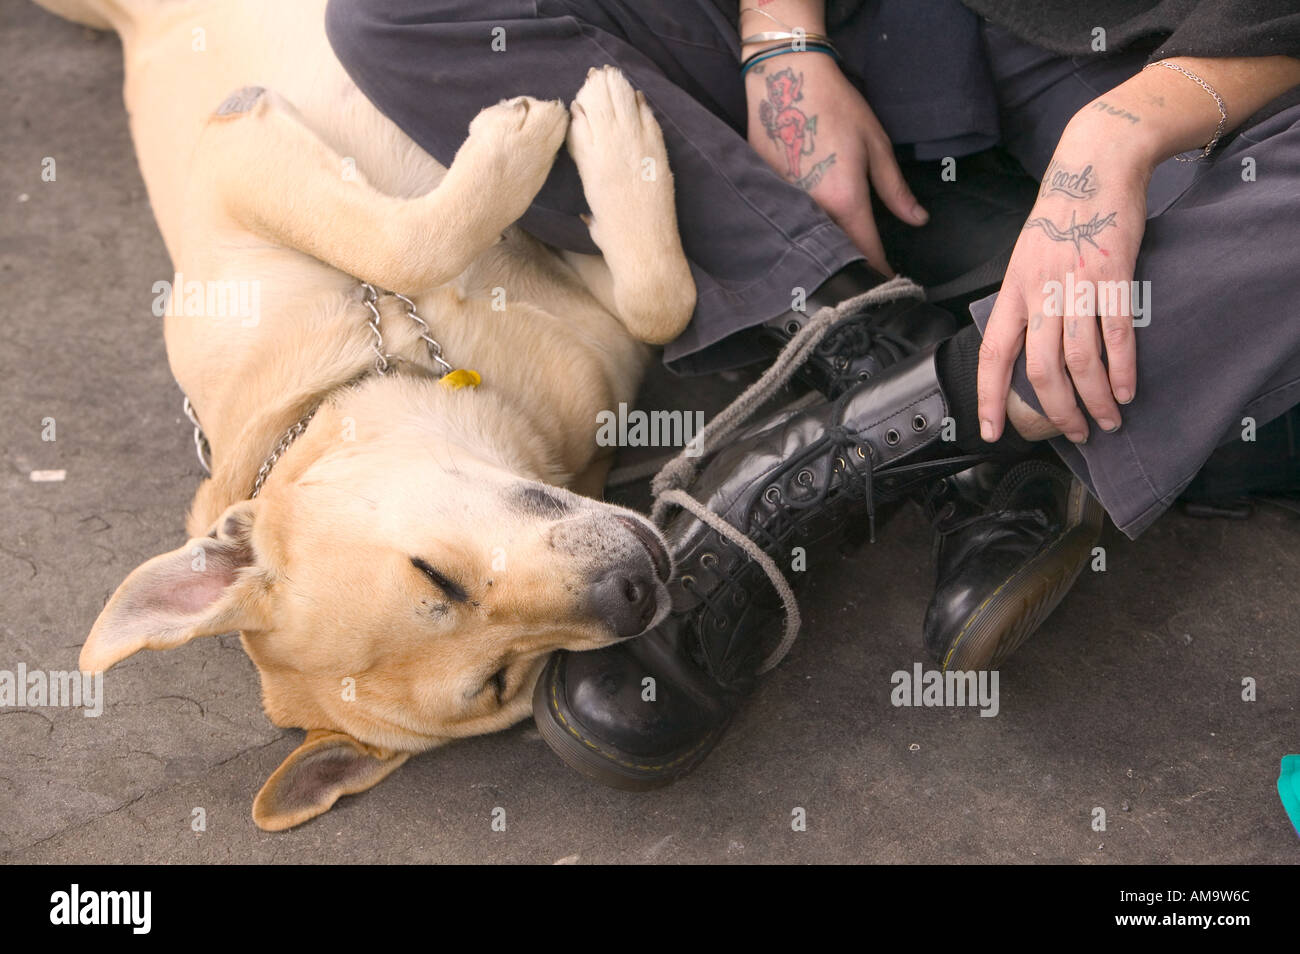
x: 461, y: 378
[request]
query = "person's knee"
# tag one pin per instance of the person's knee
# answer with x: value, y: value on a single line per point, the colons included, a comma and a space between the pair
x: 368, y: 31
x: 353, y: 26
x: 347, y: 23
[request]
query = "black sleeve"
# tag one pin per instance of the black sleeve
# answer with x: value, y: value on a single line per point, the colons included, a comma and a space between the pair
x: 1236, y: 28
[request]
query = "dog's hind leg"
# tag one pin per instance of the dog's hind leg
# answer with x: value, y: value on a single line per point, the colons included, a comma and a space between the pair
x: 277, y: 179
x: 95, y: 14
x: 619, y: 150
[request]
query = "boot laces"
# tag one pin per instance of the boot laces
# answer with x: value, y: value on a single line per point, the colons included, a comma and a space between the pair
x: 669, y: 484
x: 861, y: 337
x: 938, y: 511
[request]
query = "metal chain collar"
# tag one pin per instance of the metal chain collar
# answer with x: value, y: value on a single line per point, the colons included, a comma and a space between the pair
x: 370, y: 297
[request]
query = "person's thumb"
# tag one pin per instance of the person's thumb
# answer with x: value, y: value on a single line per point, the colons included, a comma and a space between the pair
x: 887, y: 179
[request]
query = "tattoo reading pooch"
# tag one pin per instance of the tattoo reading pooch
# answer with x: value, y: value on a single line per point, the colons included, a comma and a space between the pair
x: 789, y: 127
x: 1077, y: 185
x: 1076, y: 232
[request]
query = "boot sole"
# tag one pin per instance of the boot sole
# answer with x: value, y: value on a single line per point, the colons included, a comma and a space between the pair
x: 588, y: 757
x: 1020, y: 605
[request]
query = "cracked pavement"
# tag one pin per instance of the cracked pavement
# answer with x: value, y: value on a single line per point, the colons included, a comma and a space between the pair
x: 1129, y: 698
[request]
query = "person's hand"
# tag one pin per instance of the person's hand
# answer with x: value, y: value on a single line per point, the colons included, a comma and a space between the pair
x: 1058, y: 302
x: 815, y: 129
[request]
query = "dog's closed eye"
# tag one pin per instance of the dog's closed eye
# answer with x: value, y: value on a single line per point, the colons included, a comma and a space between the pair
x: 454, y: 591
x: 498, y: 683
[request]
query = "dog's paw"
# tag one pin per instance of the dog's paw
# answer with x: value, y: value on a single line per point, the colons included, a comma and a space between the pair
x: 508, y: 155
x: 618, y: 148
x: 608, y: 100
x: 613, y: 134
x: 531, y: 130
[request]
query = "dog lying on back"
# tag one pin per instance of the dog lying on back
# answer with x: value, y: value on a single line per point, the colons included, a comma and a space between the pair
x: 415, y: 550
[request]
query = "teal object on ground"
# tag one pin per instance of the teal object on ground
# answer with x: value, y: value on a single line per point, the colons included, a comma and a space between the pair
x: 1288, y: 786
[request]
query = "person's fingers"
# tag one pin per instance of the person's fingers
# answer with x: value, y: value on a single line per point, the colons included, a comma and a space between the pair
x: 1081, y: 347
x: 1004, y: 337
x: 1121, y: 355
x: 894, y: 192
x: 860, y: 227
x: 1045, y: 368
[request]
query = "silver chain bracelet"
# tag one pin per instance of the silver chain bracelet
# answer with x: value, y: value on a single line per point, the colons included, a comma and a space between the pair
x: 1218, y: 101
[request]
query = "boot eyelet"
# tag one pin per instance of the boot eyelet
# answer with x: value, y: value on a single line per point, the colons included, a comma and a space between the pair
x: 840, y: 464
x: 708, y: 560
x: 738, y: 597
x: 919, y: 423
x: 792, y: 327
x: 688, y: 582
x: 772, y: 495
x: 721, y: 622
x: 804, y: 478
x: 863, y: 375
x: 858, y: 450
x: 892, y: 437
x: 841, y: 363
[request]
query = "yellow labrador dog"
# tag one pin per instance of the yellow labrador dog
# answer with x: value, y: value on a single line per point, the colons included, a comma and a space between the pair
x: 413, y: 556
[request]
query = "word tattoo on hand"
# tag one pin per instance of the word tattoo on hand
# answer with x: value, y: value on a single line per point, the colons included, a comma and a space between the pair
x: 1077, y: 185
x: 1076, y: 232
x: 1119, y: 111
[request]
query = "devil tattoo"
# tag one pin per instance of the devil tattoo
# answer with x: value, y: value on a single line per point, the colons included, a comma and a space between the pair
x: 785, y: 122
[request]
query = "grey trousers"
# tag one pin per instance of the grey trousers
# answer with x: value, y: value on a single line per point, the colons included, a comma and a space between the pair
x: 750, y: 236
x: 1221, y: 253
x: 1221, y: 249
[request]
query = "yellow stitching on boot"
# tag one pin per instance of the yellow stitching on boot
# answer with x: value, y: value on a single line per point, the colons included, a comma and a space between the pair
x: 992, y: 596
x: 555, y: 706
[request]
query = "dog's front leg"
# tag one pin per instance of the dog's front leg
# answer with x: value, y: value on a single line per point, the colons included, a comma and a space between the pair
x: 619, y: 150
x: 276, y: 178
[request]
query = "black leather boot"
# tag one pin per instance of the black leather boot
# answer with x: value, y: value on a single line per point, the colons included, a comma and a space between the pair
x: 863, y: 343
x: 643, y: 713
x: 1010, y: 542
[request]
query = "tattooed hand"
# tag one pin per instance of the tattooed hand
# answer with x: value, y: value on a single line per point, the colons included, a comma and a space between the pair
x: 1061, y: 300
x: 815, y: 129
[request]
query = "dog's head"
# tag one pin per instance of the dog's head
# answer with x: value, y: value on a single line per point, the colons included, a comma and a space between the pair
x: 394, y: 592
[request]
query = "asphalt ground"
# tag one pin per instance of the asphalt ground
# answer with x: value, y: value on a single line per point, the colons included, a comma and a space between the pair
x: 1129, y: 700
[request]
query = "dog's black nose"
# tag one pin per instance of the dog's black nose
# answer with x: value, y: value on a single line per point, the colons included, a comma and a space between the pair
x: 625, y: 600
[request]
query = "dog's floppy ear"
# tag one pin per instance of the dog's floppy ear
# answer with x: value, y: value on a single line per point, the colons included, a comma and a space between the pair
x: 327, y: 766
x: 196, y: 590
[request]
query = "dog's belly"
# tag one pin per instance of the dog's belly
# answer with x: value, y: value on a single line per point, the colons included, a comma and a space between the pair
x: 514, y: 316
